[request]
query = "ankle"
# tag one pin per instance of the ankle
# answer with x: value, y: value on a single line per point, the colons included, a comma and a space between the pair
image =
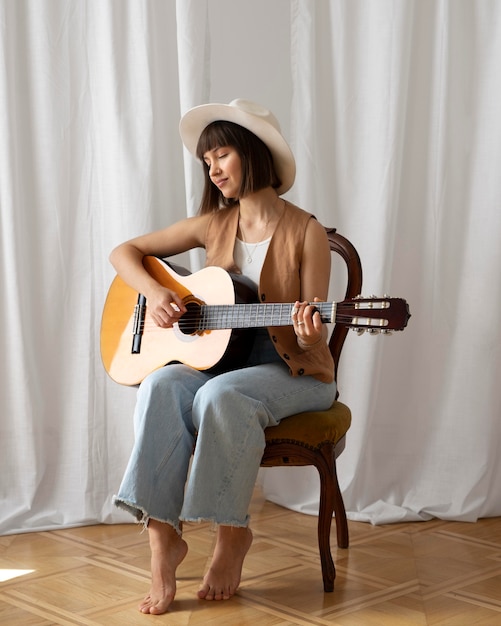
x: 234, y: 536
x: 162, y: 535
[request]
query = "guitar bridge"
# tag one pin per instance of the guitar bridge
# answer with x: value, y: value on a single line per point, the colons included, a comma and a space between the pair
x: 138, y: 324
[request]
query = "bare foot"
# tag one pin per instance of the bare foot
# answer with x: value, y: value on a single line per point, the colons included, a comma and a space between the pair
x: 168, y: 549
x: 223, y: 577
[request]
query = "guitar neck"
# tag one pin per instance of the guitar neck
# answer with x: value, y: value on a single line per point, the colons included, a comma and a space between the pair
x: 213, y: 317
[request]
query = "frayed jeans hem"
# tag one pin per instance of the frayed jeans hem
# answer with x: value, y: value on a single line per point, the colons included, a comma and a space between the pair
x: 215, y: 523
x: 142, y: 516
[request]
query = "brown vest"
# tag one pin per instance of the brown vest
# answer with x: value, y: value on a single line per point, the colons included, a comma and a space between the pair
x: 280, y: 281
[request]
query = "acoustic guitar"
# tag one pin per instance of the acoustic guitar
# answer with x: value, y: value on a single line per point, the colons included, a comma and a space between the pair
x: 216, y: 332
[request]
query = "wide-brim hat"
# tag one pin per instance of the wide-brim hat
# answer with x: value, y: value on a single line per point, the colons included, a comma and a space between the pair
x: 251, y: 116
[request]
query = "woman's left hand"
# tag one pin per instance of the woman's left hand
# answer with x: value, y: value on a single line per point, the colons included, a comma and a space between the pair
x: 308, y: 325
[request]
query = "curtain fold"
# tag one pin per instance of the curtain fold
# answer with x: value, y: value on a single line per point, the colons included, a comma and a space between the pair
x: 90, y: 156
x: 411, y: 173
x: 395, y: 126
x: 194, y: 53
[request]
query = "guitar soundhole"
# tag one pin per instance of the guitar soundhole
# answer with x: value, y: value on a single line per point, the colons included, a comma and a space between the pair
x: 189, y: 323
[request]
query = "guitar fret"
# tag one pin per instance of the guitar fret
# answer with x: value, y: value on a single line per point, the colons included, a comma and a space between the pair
x: 254, y: 315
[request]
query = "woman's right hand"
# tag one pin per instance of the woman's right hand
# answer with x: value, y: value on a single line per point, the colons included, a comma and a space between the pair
x: 164, y: 306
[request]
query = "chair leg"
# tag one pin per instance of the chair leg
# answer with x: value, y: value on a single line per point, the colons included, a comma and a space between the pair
x: 331, y: 501
x: 326, y: 509
x: 340, y: 514
x: 339, y: 509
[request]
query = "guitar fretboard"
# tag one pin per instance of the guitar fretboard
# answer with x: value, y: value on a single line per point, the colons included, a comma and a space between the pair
x: 215, y: 316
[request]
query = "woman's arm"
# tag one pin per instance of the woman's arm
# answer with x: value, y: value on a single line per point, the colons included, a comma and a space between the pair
x: 127, y: 259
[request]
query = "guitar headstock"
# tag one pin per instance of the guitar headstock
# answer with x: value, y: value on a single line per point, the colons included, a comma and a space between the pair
x: 373, y: 314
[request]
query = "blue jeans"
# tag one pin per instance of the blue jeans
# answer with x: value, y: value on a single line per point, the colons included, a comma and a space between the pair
x: 226, y: 414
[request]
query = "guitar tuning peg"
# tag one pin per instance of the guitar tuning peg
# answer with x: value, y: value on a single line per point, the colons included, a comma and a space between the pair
x: 373, y: 331
x: 386, y: 296
x: 359, y: 331
x: 385, y: 331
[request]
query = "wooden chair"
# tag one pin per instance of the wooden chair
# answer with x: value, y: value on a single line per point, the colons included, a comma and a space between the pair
x: 317, y: 438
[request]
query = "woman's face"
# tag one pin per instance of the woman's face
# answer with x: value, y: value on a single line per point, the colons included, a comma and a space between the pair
x: 225, y: 170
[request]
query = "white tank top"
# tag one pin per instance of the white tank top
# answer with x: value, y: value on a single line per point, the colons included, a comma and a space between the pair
x: 250, y: 258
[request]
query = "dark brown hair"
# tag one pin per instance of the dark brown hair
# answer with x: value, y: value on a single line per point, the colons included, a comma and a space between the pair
x: 258, y: 171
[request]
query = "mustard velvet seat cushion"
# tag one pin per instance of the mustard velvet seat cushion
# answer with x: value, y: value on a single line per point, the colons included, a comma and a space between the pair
x: 312, y: 429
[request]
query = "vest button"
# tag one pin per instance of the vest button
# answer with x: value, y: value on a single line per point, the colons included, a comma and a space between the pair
x: 286, y: 356
x: 300, y: 371
x: 263, y: 297
x: 273, y: 337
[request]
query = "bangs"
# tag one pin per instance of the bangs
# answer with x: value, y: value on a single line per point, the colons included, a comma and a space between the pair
x: 217, y: 135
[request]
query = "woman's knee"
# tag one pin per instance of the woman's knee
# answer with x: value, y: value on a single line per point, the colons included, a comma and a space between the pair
x: 165, y: 380
x: 224, y: 406
x: 209, y: 396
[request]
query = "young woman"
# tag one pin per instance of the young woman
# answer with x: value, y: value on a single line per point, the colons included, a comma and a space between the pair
x: 246, y: 228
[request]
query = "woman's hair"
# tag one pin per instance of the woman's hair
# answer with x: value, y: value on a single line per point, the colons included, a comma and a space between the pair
x: 258, y: 170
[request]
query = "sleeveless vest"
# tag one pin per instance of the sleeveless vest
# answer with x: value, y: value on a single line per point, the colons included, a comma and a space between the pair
x: 280, y: 281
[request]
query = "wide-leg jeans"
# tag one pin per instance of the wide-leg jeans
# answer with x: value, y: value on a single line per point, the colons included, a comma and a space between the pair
x: 219, y: 420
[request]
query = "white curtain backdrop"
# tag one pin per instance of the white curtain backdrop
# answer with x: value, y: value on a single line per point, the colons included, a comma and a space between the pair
x: 392, y: 110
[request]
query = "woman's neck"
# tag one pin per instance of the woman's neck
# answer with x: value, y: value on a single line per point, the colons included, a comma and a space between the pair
x: 259, y: 209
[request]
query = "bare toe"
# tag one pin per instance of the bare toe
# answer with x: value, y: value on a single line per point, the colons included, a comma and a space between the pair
x: 223, y: 578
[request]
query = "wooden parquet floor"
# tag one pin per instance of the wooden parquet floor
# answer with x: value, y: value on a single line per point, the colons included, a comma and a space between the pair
x: 435, y: 573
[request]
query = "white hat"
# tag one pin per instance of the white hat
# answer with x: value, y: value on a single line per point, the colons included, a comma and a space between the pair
x: 251, y: 116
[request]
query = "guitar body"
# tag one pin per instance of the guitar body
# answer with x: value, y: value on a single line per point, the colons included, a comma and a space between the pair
x: 215, y: 350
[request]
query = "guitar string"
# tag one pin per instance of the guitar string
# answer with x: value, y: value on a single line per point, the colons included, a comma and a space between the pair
x: 213, y: 317
x: 270, y: 312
